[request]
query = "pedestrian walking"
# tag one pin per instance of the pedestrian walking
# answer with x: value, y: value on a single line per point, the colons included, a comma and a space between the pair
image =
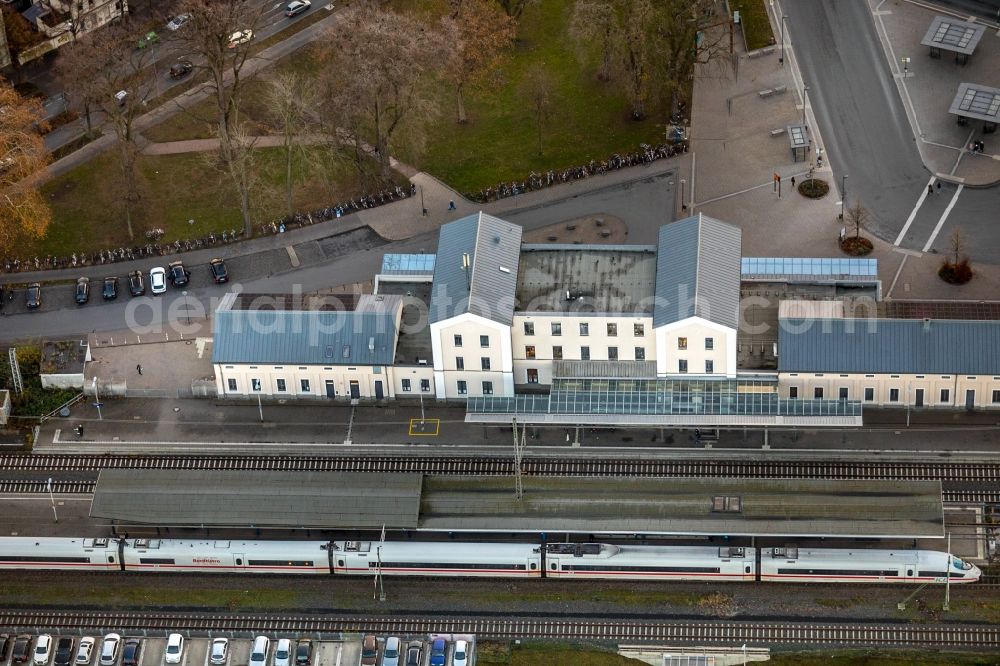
x: 793, y: 181
x: 138, y: 368
x: 930, y: 188
x: 451, y: 204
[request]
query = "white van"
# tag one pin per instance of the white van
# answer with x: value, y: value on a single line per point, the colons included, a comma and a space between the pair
x: 258, y: 655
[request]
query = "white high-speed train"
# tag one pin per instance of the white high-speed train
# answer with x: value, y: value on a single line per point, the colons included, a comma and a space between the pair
x: 487, y: 560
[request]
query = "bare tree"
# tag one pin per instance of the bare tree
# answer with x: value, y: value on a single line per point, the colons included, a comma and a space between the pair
x: 685, y: 36
x: 957, y: 241
x: 857, y: 216
x: 73, y: 68
x: 596, y: 20
x: 290, y: 97
x: 209, y: 36
x: 24, y: 214
x: 536, y: 88
x: 482, y: 34
x: 381, y: 67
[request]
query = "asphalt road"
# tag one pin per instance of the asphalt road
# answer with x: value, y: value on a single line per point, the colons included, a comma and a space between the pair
x: 867, y: 134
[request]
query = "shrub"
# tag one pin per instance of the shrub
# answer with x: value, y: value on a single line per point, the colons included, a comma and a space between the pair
x: 956, y: 273
x: 856, y: 246
x: 814, y: 188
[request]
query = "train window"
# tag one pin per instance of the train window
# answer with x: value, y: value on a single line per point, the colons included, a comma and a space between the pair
x: 746, y: 569
x: 909, y: 572
x: 340, y: 563
x: 239, y: 561
x: 554, y: 566
x: 533, y: 566
x: 111, y: 559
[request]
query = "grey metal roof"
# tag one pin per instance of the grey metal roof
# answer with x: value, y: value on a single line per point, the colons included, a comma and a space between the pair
x: 904, y: 346
x: 494, y: 248
x: 257, y: 499
x: 305, y: 337
x: 770, y: 507
x: 698, y: 272
x: 977, y: 101
x: 953, y: 35
x: 628, y: 369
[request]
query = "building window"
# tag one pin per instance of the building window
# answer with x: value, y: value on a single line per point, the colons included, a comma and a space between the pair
x: 869, y: 394
x: 894, y: 395
x: 463, y: 388
x: 484, y: 363
x: 556, y: 328
x: 557, y: 353
x: 818, y: 393
x: 232, y: 384
x: 612, y: 330
x: 682, y: 343
x: 584, y: 329
x: 638, y: 330
x: 304, y: 385
x: 640, y: 353
x: 460, y: 363
x: 793, y: 392
x: 709, y: 367
x: 529, y: 351
x: 843, y: 392
x: 532, y: 375
x: 254, y: 384
x: 484, y: 341
x: 612, y: 353
x: 584, y: 353
x: 425, y: 386
x: 996, y: 397
x: 458, y: 340
x: 946, y: 395
x: 709, y: 343
x: 487, y: 388
x: 529, y: 328
x: 682, y: 365
x: 406, y: 385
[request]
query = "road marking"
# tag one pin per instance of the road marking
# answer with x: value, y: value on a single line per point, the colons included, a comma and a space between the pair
x: 944, y: 216
x: 913, y: 213
x: 895, y: 278
x: 425, y: 427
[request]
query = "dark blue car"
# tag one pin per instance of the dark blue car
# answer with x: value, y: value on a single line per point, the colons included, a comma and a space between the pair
x: 438, y: 649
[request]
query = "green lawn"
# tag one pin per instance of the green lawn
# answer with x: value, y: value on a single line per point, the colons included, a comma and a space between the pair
x: 590, y: 119
x: 88, y: 215
x: 756, y: 26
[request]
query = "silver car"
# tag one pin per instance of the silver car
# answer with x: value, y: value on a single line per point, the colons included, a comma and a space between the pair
x: 109, y: 649
x: 220, y: 651
x: 390, y: 655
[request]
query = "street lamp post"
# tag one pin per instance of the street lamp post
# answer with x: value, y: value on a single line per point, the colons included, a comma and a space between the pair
x: 781, y: 58
x: 805, y: 100
x: 97, y: 400
x: 843, y: 194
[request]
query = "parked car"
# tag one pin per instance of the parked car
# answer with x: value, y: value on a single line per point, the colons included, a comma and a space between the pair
x: 304, y: 652
x: 64, y: 652
x: 240, y: 37
x: 149, y: 38
x: 5, y: 641
x: 258, y: 654
x: 43, y: 650
x: 33, y: 296
x: 220, y: 651
x: 109, y: 649
x: 177, y: 21
x: 439, y: 651
x: 82, y: 291
x: 296, y: 7
x: 413, y: 651
x: 219, y: 272
x: 85, y: 651
x: 22, y: 649
x: 121, y: 96
x: 177, y: 274
x: 136, y: 285
x: 175, y: 649
x: 110, y: 291
x: 369, y: 650
x: 461, y: 655
x: 158, y: 280
x: 180, y: 69
x: 283, y: 653
x: 390, y: 655
x: 132, y: 652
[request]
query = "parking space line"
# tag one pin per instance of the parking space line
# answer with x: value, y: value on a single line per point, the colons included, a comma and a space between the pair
x: 913, y: 213
x: 944, y: 216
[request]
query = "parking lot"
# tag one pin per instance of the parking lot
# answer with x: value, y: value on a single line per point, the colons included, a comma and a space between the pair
x: 198, y: 651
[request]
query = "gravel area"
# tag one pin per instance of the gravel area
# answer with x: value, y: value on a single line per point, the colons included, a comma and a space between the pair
x: 455, y: 597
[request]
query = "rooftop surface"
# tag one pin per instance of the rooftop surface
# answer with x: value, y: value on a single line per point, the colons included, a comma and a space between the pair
x: 767, y: 507
x: 243, y: 302
x: 597, y: 278
x: 221, y: 498
x: 63, y: 357
x: 953, y: 35
x: 414, y: 342
x: 977, y: 101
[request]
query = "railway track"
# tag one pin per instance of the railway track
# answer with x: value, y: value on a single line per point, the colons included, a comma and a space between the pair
x: 502, y: 465
x: 631, y: 631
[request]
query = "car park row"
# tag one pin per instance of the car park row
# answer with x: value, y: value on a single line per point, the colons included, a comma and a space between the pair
x: 117, y: 650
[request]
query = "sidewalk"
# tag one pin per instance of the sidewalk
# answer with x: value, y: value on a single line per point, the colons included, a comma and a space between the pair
x: 734, y: 155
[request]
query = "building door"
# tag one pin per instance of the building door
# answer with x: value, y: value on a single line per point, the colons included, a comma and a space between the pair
x: 532, y: 376
x: 919, y: 402
x: 970, y: 399
x: 378, y: 389
x: 355, y: 389
x: 330, y: 391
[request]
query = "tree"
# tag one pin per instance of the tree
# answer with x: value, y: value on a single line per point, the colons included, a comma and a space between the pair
x: 595, y: 20
x: 957, y: 242
x: 514, y: 8
x: 289, y: 98
x: 207, y: 36
x: 20, y: 35
x: 382, y: 67
x: 482, y: 35
x: 685, y: 37
x: 73, y: 69
x: 857, y: 216
x: 536, y: 88
x: 24, y: 214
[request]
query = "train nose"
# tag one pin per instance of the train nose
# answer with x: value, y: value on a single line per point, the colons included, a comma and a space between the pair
x: 974, y: 573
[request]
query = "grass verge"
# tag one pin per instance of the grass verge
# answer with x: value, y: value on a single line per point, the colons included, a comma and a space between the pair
x: 756, y: 26
x: 34, y: 401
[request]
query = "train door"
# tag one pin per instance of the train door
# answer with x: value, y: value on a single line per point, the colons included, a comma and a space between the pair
x: 239, y: 562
